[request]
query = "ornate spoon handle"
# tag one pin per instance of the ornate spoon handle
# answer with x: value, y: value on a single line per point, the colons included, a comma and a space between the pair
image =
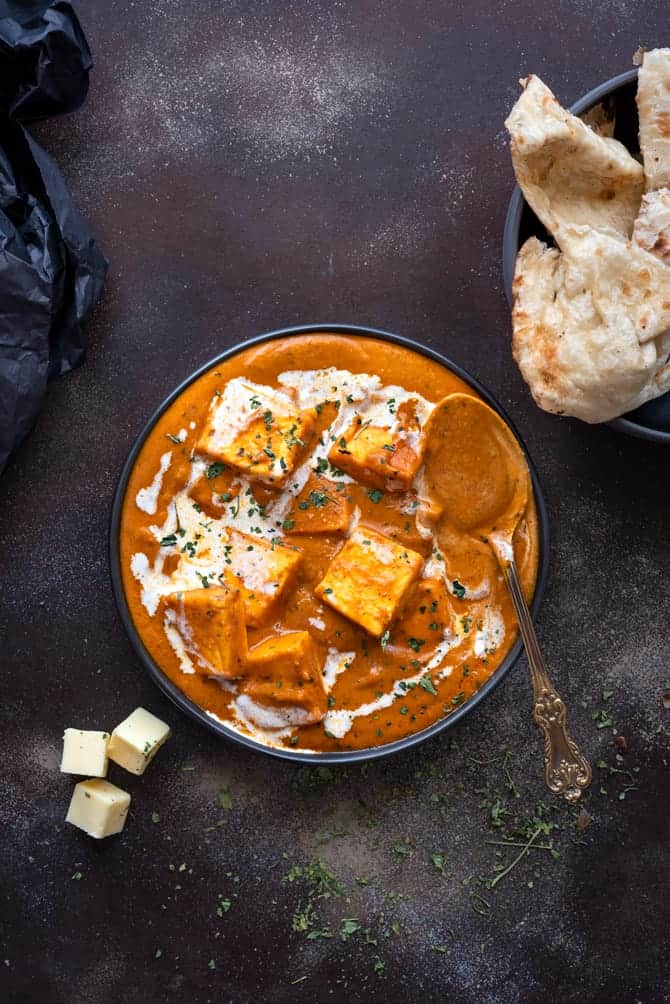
x: 566, y: 770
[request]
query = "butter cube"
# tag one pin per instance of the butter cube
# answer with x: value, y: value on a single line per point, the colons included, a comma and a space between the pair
x: 135, y: 742
x: 98, y: 808
x: 84, y: 753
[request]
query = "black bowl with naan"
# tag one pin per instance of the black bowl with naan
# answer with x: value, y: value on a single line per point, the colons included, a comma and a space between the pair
x: 652, y: 420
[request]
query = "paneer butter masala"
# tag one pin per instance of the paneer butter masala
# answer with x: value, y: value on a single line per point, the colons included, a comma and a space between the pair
x: 284, y: 562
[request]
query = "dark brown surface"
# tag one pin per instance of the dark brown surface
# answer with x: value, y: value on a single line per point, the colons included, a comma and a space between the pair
x: 248, y: 166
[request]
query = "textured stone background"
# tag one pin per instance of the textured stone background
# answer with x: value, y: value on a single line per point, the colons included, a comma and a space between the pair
x: 253, y: 165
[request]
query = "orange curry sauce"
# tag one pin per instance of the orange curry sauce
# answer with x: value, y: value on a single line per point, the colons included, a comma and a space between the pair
x: 382, y: 661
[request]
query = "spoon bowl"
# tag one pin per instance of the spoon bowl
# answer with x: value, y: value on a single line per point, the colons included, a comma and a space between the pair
x: 484, y: 483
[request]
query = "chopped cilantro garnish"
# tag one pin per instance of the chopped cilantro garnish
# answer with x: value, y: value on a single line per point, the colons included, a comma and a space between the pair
x: 427, y: 684
x: 459, y: 590
x: 214, y: 470
x: 375, y: 495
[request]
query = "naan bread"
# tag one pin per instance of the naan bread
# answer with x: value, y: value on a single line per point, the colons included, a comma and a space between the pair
x: 591, y: 324
x: 601, y: 119
x: 652, y: 227
x: 653, y: 105
x: 568, y: 174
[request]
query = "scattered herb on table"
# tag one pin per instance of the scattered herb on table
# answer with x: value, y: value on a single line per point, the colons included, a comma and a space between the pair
x: 225, y: 799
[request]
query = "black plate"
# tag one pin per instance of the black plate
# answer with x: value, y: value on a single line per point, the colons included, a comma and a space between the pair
x: 194, y: 710
x: 652, y: 420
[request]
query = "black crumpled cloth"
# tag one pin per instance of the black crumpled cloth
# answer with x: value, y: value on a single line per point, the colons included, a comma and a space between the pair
x: 51, y: 270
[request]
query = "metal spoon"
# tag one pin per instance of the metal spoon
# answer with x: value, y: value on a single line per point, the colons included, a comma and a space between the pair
x: 468, y: 443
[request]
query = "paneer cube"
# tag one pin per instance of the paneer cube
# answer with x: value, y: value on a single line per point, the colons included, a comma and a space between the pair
x: 258, y: 431
x: 211, y: 625
x: 136, y: 741
x: 98, y: 808
x: 368, y: 578
x: 215, y: 490
x: 382, y: 457
x: 265, y: 571
x: 321, y: 507
x: 286, y: 680
x: 84, y: 753
x: 426, y: 620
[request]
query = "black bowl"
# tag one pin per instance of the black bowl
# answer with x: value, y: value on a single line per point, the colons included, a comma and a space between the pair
x: 652, y: 420
x: 196, y: 712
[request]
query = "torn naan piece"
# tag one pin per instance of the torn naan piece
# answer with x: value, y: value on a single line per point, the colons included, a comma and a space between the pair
x: 652, y: 226
x: 591, y: 325
x: 653, y: 106
x: 569, y: 175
